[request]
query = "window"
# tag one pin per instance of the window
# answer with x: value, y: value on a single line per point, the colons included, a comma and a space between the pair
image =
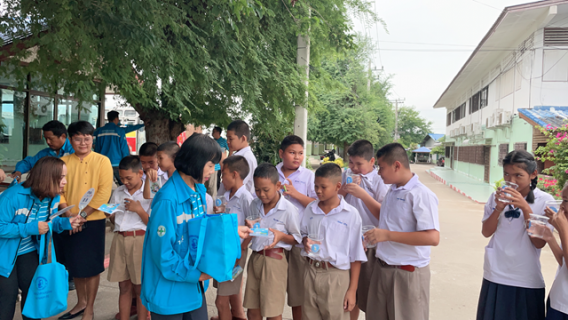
x: 484, y: 99
x: 90, y: 113
x: 41, y: 112
x: 521, y: 146
x: 449, y: 119
x: 12, y: 127
x: 503, y: 150
x: 554, y: 37
x: 459, y: 112
x: 555, y: 65
x: 478, y: 100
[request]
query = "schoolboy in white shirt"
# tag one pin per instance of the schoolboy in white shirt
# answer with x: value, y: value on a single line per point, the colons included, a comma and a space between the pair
x: 130, y: 221
x: 238, y: 137
x: 366, y: 193
x: 229, y: 300
x: 298, y: 188
x: 267, y: 271
x: 331, y: 275
x: 148, y: 154
x: 408, y: 226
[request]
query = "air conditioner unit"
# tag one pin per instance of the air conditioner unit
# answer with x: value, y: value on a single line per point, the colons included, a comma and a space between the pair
x: 462, y: 130
x: 491, y: 121
x: 469, y: 129
x: 504, y: 118
x: 477, y: 129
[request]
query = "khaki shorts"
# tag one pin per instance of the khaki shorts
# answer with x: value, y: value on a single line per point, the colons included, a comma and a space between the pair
x: 266, y: 285
x: 365, y: 279
x: 296, y: 265
x: 325, y: 293
x: 229, y: 288
x: 126, y: 259
x: 399, y: 294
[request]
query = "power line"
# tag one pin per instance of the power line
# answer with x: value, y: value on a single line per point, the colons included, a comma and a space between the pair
x: 487, y: 5
x: 443, y: 44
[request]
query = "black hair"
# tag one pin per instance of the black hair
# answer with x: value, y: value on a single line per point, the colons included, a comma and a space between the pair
x: 329, y: 170
x: 361, y: 148
x: 194, y: 154
x: 394, y: 152
x: 130, y: 163
x: 290, y: 140
x: 57, y: 128
x: 267, y: 171
x: 148, y: 149
x: 80, y: 127
x: 238, y: 164
x: 170, y: 148
x: 240, y: 128
x: 524, y: 160
x: 218, y: 129
x: 111, y: 115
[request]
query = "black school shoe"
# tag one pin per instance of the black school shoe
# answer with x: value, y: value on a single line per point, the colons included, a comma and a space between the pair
x: 68, y: 315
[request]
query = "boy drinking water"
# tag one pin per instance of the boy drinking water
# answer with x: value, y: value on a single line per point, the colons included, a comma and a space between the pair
x: 148, y: 154
x: 408, y: 226
x: 365, y: 192
x: 166, y: 154
x: 238, y: 137
x: 332, y: 272
x: 298, y: 186
x: 267, y: 270
x: 229, y: 300
x: 130, y: 221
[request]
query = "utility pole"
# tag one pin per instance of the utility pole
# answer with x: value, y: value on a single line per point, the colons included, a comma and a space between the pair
x: 301, y: 119
x: 396, y: 102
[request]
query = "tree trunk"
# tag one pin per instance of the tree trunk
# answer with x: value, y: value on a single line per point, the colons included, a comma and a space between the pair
x: 159, y: 126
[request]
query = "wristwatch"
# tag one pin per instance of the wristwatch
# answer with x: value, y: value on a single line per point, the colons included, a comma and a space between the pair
x: 83, y: 214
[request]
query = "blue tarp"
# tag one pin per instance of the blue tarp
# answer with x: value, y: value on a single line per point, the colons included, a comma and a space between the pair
x: 546, y: 115
x: 436, y: 136
x: 422, y: 150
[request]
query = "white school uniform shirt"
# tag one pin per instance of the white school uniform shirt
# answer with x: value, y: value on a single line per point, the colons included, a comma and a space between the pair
x: 375, y: 187
x: 303, y: 180
x: 283, y: 217
x: 341, y: 232
x: 125, y: 220
x: 409, y: 208
x: 162, y: 178
x: 209, y: 202
x: 239, y: 204
x: 559, y: 292
x: 251, y: 160
x: 510, y: 257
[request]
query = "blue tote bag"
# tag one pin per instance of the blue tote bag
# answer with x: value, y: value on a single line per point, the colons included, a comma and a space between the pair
x: 214, y: 244
x: 48, y: 291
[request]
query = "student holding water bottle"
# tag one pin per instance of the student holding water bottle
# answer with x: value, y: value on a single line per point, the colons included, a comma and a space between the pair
x: 331, y: 231
x: 513, y: 286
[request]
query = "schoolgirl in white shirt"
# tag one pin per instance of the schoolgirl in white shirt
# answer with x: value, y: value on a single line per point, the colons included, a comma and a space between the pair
x: 513, y: 286
x: 557, y: 304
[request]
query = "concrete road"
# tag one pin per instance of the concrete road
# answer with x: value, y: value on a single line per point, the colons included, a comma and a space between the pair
x: 457, y: 263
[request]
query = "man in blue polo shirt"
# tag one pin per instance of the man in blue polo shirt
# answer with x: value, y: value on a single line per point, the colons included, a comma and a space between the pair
x: 111, y: 141
x: 55, y: 135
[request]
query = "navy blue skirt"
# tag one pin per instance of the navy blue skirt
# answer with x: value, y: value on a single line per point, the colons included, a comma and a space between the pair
x: 501, y: 302
x: 552, y: 314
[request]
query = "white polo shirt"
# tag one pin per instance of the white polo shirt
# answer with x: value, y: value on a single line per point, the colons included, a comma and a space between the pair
x: 375, y: 187
x: 283, y: 217
x: 248, y: 181
x: 559, y: 291
x: 239, y: 204
x: 510, y: 257
x: 125, y: 220
x: 341, y: 231
x: 209, y: 202
x: 410, y: 208
x: 303, y: 180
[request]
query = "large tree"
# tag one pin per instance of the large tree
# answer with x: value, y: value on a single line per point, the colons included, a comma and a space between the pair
x: 344, y: 110
x: 201, y: 61
x: 412, y: 128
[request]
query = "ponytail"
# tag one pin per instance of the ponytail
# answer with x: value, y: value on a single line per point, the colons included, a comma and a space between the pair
x: 529, y: 165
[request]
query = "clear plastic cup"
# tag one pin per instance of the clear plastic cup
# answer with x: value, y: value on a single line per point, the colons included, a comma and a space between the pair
x: 315, y: 242
x: 507, y: 184
x: 536, y: 225
x: 220, y: 204
x: 252, y: 219
x: 365, y: 230
x: 554, y: 205
x: 352, y: 178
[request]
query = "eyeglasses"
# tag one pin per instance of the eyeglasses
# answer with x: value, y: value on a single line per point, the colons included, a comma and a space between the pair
x: 85, y: 140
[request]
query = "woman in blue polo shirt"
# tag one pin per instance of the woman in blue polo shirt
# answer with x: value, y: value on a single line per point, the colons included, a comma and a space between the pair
x: 24, y: 212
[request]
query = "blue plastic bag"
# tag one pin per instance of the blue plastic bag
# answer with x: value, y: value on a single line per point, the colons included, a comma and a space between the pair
x: 214, y: 244
x: 48, y: 291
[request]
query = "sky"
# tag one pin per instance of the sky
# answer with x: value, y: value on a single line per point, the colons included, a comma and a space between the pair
x: 420, y: 73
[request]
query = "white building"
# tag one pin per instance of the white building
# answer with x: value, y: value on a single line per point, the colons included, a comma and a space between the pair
x: 521, y: 63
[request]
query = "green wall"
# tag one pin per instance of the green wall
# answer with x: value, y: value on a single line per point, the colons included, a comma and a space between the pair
x: 472, y: 170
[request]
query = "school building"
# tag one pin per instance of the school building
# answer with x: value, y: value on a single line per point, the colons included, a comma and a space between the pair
x: 518, y: 71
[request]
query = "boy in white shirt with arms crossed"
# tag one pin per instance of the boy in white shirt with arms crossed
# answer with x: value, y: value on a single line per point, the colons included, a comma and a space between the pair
x: 238, y: 137
x: 229, y: 300
x: 130, y: 221
x: 408, y: 226
x: 366, y: 193
x: 267, y: 271
x: 331, y: 275
x: 298, y: 188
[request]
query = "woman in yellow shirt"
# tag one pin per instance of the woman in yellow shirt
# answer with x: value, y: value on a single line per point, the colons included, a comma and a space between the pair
x: 83, y: 251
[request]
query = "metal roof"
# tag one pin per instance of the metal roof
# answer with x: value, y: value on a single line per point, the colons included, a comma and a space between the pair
x: 436, y: 136
x: 422, y: 150
x: 546, y: 115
